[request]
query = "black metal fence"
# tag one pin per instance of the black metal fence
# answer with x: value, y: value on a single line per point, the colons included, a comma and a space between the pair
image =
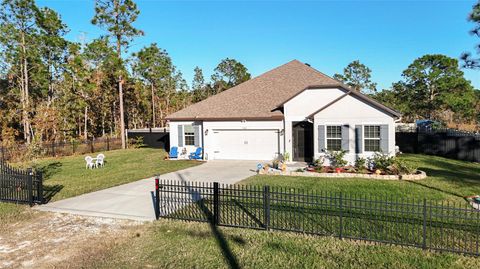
x: 62, y: 148
x: 20, y: 186
x: 447, y: 143
x: 453, y: 227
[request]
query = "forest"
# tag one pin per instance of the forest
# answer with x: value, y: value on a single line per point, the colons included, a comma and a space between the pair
x: 54, y: 89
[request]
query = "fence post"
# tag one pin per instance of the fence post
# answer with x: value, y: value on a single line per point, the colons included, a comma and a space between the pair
x: 341, y: 216
x: 29, y: 176
x: 157, y: 197
x: 424, y: 240
x: 216, y: 204
x: 53, y: 149
x: 40, y: 186
x: 108, y: 143
x: 92, y: 149
x: 266, y: 207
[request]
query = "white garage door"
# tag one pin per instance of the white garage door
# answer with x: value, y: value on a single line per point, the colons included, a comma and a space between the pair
x: 245, y: 144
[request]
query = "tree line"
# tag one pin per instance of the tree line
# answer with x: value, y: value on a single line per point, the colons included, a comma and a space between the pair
x: 432, y: 87
x: 53, y: 89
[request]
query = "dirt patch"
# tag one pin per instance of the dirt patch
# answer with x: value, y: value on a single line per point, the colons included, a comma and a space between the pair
x: 55, y: 240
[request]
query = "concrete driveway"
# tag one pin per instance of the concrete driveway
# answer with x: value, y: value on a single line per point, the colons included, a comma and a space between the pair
x: 135, y: 200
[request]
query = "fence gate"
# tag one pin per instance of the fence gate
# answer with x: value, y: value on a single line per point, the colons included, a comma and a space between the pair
x: 20, y: 186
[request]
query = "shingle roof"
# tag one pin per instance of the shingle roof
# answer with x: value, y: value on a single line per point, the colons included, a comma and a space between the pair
x: 258, y: 98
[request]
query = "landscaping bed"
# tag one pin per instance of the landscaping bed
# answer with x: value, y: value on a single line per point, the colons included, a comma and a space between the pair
x: 333, y: 164
x: 417, y: 176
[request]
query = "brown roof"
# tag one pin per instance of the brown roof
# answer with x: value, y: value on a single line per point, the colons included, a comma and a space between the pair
x: 258, y: 98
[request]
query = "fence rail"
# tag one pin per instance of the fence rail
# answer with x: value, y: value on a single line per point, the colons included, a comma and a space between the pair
x: 447, y: 143
x: 20, y: 186
x: 419, y: 223
x: 62, y: 148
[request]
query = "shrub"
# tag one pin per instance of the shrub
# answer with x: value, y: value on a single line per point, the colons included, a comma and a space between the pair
x: 136, y: 142
x: 337, y: 158
x: 318, y: 162
x: 360, y: 163
x: 380, y: 161
x: 401, y: 167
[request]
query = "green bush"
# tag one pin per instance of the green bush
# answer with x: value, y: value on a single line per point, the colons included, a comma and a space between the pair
x: 360, y: 164
x: 337, y: 158
x: 381, y: 161
x: 401, y: 167
x: 136, y: 142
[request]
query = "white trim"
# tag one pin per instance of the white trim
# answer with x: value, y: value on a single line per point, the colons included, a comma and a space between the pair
x: 326, y: 133
x: 363, y: 135
x: 185, y: 137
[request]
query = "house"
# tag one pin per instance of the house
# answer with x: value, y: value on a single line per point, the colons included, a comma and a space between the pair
x: 292, y: 109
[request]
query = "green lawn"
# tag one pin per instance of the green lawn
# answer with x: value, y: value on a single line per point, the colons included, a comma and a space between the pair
x: 448, y: 180
x: 176, y: 244
x: 67, y: 177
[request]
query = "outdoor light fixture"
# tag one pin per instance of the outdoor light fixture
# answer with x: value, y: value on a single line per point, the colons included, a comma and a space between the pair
x: 206, y: 132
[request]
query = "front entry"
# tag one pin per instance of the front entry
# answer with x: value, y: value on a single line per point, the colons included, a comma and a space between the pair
x: 302, y: 141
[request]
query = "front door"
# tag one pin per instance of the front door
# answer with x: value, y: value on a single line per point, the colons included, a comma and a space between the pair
x: 302, y: 141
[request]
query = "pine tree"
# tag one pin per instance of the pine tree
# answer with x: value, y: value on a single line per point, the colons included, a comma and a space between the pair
x: 117, y: 17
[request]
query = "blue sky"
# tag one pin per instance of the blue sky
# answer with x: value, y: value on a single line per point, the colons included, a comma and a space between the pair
x: 385, y: 35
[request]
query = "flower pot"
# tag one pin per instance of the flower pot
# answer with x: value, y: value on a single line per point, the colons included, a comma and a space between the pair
x: 338, y: 170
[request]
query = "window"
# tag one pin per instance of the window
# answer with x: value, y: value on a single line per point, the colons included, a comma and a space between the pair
x: 371, y: 137
x: 189, y: 135
x: 334, y: 138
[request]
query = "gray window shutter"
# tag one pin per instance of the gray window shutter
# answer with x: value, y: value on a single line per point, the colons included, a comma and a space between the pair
x: 346, y: 137
x: 196, y: 130
x: 180, y: 135
x: 321, y: 138
x: 384, y: 138
x: 358, y: 139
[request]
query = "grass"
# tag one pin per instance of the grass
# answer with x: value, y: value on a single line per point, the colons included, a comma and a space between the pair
x: 12, y: 212
x: 175, y: 244
x: 67, y: 177
x: 448, y: 180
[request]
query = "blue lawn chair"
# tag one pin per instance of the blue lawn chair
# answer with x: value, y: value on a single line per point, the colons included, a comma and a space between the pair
x: 173, y: 153
x: 197, y: 155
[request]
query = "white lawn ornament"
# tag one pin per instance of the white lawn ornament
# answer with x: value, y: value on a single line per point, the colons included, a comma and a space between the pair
x: 100, y: 160
x: 90, y: 163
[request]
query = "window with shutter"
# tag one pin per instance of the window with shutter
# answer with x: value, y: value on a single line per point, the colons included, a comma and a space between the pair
x: 189, y: 135
x: 334, y: 138
x: 371, y: 134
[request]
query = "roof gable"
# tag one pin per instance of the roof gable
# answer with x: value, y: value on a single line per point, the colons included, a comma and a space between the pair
x: 257, y: 98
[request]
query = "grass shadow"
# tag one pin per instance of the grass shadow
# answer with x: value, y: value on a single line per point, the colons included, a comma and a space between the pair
x: 249, y: 214
x: 50, y: 191
x: 219, y: 236
x: 50, y: 169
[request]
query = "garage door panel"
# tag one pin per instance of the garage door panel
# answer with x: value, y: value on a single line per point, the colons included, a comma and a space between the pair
x: 246, y: 144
